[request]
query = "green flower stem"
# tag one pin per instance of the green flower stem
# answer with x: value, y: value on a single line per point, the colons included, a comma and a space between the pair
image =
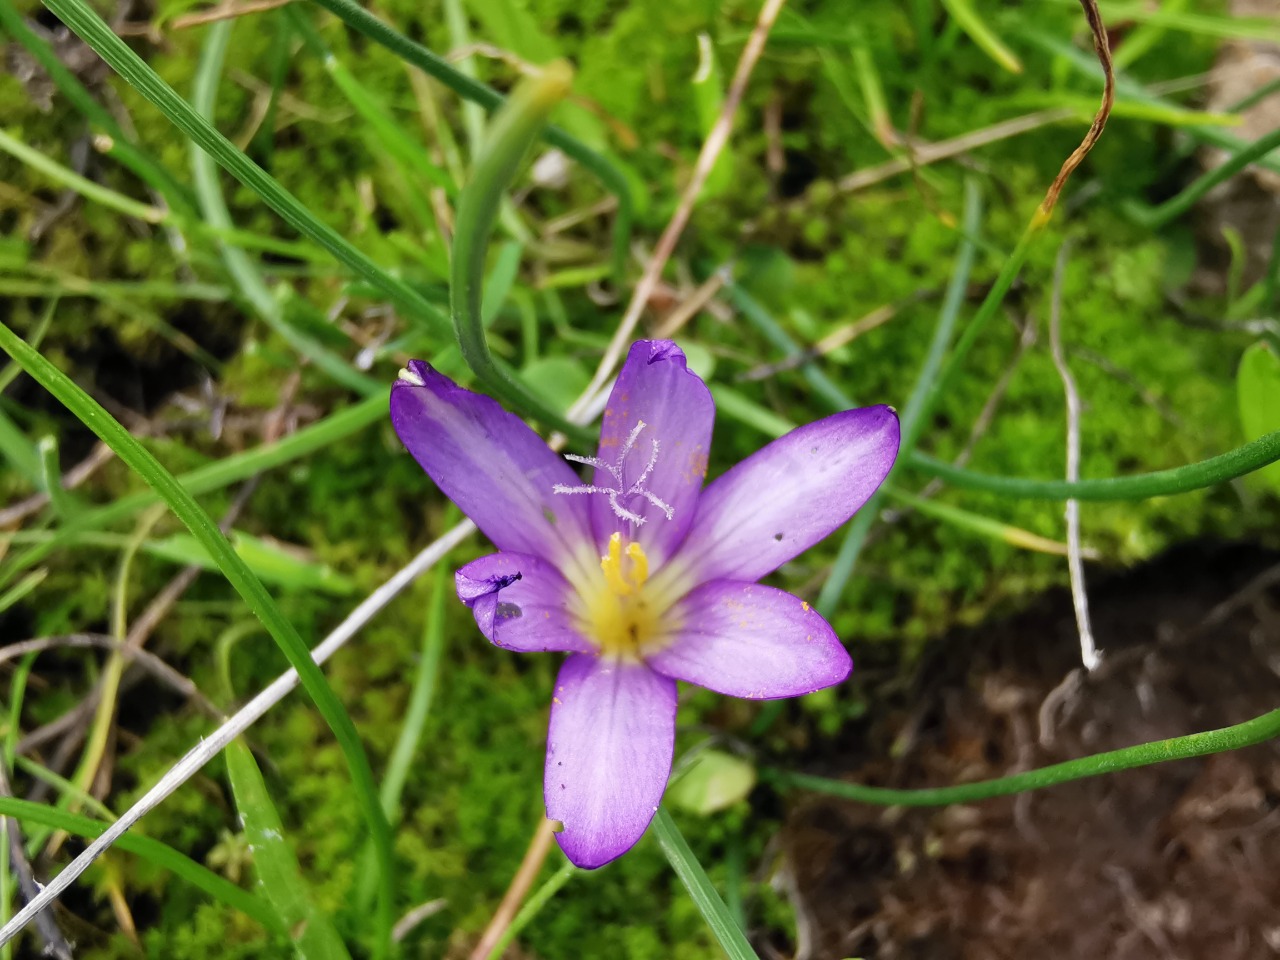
x: 699, y: 885
x: 990, y: 304
x: 214, y: 476
x: 1260, y: 729
x: 1161, y: 483
x: 202, y: 527
x: 512, y: 130
x: 153, y: 851
x: 1174, y: 207
x: 120, y: 147
x: 91, y: 28
x: 360, y: 20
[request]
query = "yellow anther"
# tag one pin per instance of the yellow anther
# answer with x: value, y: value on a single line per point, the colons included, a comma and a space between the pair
x: 611, y: 564
x: 639, y: 564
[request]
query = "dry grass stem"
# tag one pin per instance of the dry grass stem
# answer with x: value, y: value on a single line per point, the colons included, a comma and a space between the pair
x: 521, y: 883
x: 666, y: 245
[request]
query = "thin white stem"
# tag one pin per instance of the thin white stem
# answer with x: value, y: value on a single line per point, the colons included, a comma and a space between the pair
x: 1089, y: 653
x: 245, y: 717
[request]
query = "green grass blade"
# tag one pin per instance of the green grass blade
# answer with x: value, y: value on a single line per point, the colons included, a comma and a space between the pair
x: 415, y: 715
x: 17, y: 450
x: 696, y: 881
x: 89, y: 412
x: 531, y: 908
x: 1175, y: 206
x: 68, y: 178
x: 513, y: 129
x: 214, y: 476
x: 1159, y: 483
x: 968, y: 20
x: 20, y: 589
x: 924, y: 395
x: 279, y: 876
x: 242, y: 269
x: 119, y: 146
x: 385, y: 132
x: 1086, y: 65
x: 91, y: 28
x: 153, y: 851
x: 359, y: 19
x: 1257, y: 730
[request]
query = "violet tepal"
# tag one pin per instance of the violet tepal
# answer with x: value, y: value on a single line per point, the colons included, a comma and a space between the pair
x: 638, y: 573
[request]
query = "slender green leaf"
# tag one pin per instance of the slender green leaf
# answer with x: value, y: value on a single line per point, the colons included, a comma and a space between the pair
x: 1258, y: 390
x: 513, y: 130
x: 1160, y: 483
x: 532, y: 907
x: 614, y: 180
x: 279, y: 876
x: 253, y: 287
x: 1258, y: 730
x: 214, y: 476
x: 89, y: 412
x: 968, y: 20
x: 153, y: 851
x: 91, y: 28
x: 696, y: 881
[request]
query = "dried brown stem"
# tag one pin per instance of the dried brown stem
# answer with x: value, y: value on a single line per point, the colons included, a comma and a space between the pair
x: 1102, y: 47
x: 521, y: 883
x: 711, y: 149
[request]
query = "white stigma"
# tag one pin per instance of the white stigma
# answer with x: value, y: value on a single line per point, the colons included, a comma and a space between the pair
x: 635, y: 489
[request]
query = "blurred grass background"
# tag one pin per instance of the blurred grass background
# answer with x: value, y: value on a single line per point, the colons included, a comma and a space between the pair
x: 161, y: 325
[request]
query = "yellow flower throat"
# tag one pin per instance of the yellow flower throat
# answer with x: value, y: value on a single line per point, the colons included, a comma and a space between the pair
x: 619, y: 614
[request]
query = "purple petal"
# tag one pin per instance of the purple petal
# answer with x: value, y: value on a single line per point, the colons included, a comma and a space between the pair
x: 747, y: 640
x: 489, y: 463
x: 655, y: 388
x: 785, y: 498
x: 609, y: 750
x: 520, y: 603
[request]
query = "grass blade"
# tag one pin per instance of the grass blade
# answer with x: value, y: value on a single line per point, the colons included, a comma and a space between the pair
x: 246, y: 584
x: 696, y: 881
x: 279, y: 876
x: 94, y: 31
x: 153, y: 851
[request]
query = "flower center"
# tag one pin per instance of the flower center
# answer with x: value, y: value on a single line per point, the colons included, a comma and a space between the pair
x: 623, y: 617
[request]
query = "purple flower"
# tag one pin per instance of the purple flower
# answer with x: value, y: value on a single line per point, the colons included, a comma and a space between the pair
x: 639, y: 574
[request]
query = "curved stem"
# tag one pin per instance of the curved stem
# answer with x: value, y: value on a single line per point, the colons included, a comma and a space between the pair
x: 1244, y: 734
x: 512, y: 130
x: 1174, y: 207
x: 362, y: 21
x: 1160, y: 483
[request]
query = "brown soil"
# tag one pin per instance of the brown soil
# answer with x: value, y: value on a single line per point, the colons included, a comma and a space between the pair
x: 1178, y: 860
